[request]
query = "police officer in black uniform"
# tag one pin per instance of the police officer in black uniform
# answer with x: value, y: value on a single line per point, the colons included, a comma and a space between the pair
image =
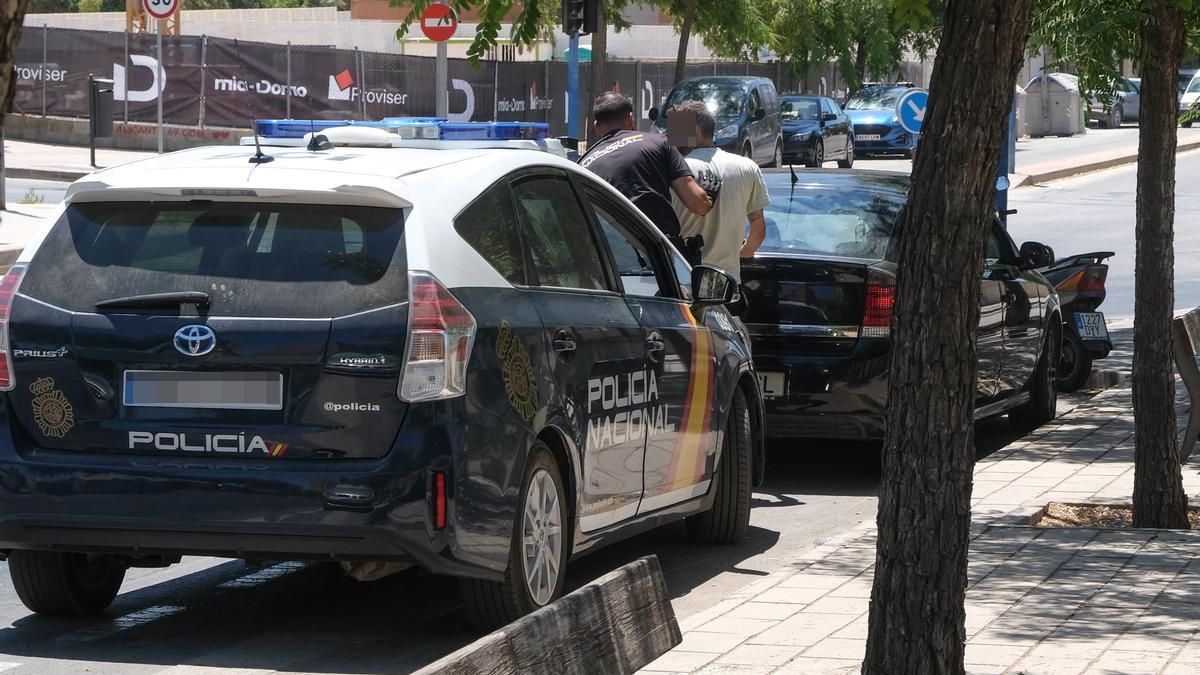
x: 643, y: 166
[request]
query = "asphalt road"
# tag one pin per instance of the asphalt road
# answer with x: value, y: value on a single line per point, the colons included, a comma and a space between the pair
x: 19, y: 190
x: 1095, y: 212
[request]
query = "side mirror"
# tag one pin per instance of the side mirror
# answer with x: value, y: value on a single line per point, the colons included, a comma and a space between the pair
x: 712, y: 285
x: 652, y: 114
x: 829, y: 117
x: 1035, y: 255
x: 760, y: 115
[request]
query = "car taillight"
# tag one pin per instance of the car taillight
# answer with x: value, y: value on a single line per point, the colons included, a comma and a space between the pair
x: 1088, y: 279
x: 8, y: 291
x: 440, y: 334
x: 877, y: 313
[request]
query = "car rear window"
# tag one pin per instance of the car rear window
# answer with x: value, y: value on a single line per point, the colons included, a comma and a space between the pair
x: 253, y: 259
x: 834, y: 220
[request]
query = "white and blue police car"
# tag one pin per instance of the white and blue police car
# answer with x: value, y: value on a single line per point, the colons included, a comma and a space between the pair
x: 412, y: 342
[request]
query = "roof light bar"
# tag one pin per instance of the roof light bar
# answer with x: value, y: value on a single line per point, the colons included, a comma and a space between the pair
x: 421, y: 128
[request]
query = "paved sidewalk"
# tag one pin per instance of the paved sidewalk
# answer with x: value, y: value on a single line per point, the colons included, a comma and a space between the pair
x: 42, y: 161
x: 1039, y: 600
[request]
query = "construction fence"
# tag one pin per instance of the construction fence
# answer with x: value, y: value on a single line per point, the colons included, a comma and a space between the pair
x: 208, y: 81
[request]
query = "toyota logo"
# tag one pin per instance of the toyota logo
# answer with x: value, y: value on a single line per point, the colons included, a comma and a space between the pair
x: 195, y: 340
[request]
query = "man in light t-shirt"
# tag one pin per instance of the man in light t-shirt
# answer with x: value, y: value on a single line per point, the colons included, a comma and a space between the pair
x: 739, y: 195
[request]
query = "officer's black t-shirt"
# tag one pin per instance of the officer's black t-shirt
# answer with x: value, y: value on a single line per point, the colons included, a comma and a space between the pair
x: 641, y: 166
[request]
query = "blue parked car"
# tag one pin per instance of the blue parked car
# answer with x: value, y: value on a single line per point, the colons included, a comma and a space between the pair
x: 872, y: 109
x: 816, y: 130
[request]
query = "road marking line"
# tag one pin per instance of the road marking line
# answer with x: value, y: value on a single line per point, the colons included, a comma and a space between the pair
x: 262, y: 576
x: 122, y: 623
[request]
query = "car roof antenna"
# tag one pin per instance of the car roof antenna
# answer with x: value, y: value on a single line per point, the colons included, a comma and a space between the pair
x: 259, y: 157
x: 317, y: 141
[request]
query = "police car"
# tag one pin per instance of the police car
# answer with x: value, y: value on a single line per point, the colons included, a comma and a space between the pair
x: 420, y: 343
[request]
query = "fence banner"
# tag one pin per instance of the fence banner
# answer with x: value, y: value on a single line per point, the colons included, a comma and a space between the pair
x: 221, y: 82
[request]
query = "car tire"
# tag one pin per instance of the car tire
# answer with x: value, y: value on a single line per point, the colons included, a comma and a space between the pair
x: 492, y: 604
x: 729, y: 518
x: 1186, y: 125
x: 911, y: 153
x: 747, y: 151
x: 1074, y: 364
x: 818, y: 156
x: 1043, y: 392
x: 1118, y: 118
x: 777, y: 158
x: 847, y: 162
x: 65, y: 584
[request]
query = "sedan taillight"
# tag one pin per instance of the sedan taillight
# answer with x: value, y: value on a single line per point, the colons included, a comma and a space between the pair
x: 8, y: 292
x: 440, y: 335
x: 877, y: 312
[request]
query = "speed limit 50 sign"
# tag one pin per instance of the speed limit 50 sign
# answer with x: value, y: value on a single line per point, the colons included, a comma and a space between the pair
x: 160, y: 9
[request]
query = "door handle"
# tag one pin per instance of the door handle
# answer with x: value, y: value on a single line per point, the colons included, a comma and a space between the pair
x: 564, y: 343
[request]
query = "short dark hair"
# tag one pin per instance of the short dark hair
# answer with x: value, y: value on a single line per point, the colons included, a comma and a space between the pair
x: 610, y: 107
x: 704, y: 116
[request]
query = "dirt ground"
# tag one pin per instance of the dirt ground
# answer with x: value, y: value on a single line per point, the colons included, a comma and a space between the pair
x: 1097, y: 516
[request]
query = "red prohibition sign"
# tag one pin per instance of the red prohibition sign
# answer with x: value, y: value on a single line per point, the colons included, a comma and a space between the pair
x: 160, y: 9
x: 438, y: 22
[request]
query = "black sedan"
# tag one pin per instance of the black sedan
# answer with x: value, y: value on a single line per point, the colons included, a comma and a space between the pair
x: 818, y: 299
x: 816, y: 130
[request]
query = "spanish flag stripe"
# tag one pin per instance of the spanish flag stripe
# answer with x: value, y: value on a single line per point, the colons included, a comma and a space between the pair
x: 687, y: 466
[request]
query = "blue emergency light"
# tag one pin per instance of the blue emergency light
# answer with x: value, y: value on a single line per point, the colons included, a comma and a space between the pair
x: 420, y: 128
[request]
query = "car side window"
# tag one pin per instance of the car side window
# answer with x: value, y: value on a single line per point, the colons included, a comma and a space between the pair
x: 825, y: 106
x: 755, y: 103
x: 562, y: 252
x: 640, y: 271
x: 489, y: 225
x: 998, y: 250
x: 834, y: 107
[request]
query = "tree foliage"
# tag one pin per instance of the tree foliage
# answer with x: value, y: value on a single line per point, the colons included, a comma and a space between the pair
x: 730, y: 28
x: 866, y: 38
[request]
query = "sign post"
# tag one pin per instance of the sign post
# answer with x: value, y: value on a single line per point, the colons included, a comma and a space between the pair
x: 160, y: 10
x: 438, y: 23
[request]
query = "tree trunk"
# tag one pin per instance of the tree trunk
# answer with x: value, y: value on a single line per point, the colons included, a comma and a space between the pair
x: 12, y: 15
x: 917, y: 617
x: 597, y: 85
x: 860, y: 62
x: 685, y: 34
x: 1158, y: 496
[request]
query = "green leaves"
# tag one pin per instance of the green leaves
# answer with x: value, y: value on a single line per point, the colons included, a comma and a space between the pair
x: 864, y: 37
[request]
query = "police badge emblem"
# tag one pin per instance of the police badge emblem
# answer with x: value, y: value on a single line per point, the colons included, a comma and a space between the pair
x: 51, y: 409
x: 518, y: 373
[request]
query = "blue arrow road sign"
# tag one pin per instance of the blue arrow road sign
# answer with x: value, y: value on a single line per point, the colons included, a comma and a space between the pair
x: 910, y: 109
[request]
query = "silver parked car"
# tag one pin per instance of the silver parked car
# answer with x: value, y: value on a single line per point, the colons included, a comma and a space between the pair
x: 1125, y: 105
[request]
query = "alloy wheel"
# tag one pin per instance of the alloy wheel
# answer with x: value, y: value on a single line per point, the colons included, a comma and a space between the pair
x: 541, y: 537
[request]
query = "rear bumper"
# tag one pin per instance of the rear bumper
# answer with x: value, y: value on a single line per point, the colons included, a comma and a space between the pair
x: 279, y: 510
x: 839, y: 395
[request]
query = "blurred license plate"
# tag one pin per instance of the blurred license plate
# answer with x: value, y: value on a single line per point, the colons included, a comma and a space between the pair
x: 867, y: 137
x: 192, y: 389
x: 772, y: 384
x: 1091, y: 325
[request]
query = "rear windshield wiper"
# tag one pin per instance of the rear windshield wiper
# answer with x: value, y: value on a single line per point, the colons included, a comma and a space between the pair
x: 157, y: 300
